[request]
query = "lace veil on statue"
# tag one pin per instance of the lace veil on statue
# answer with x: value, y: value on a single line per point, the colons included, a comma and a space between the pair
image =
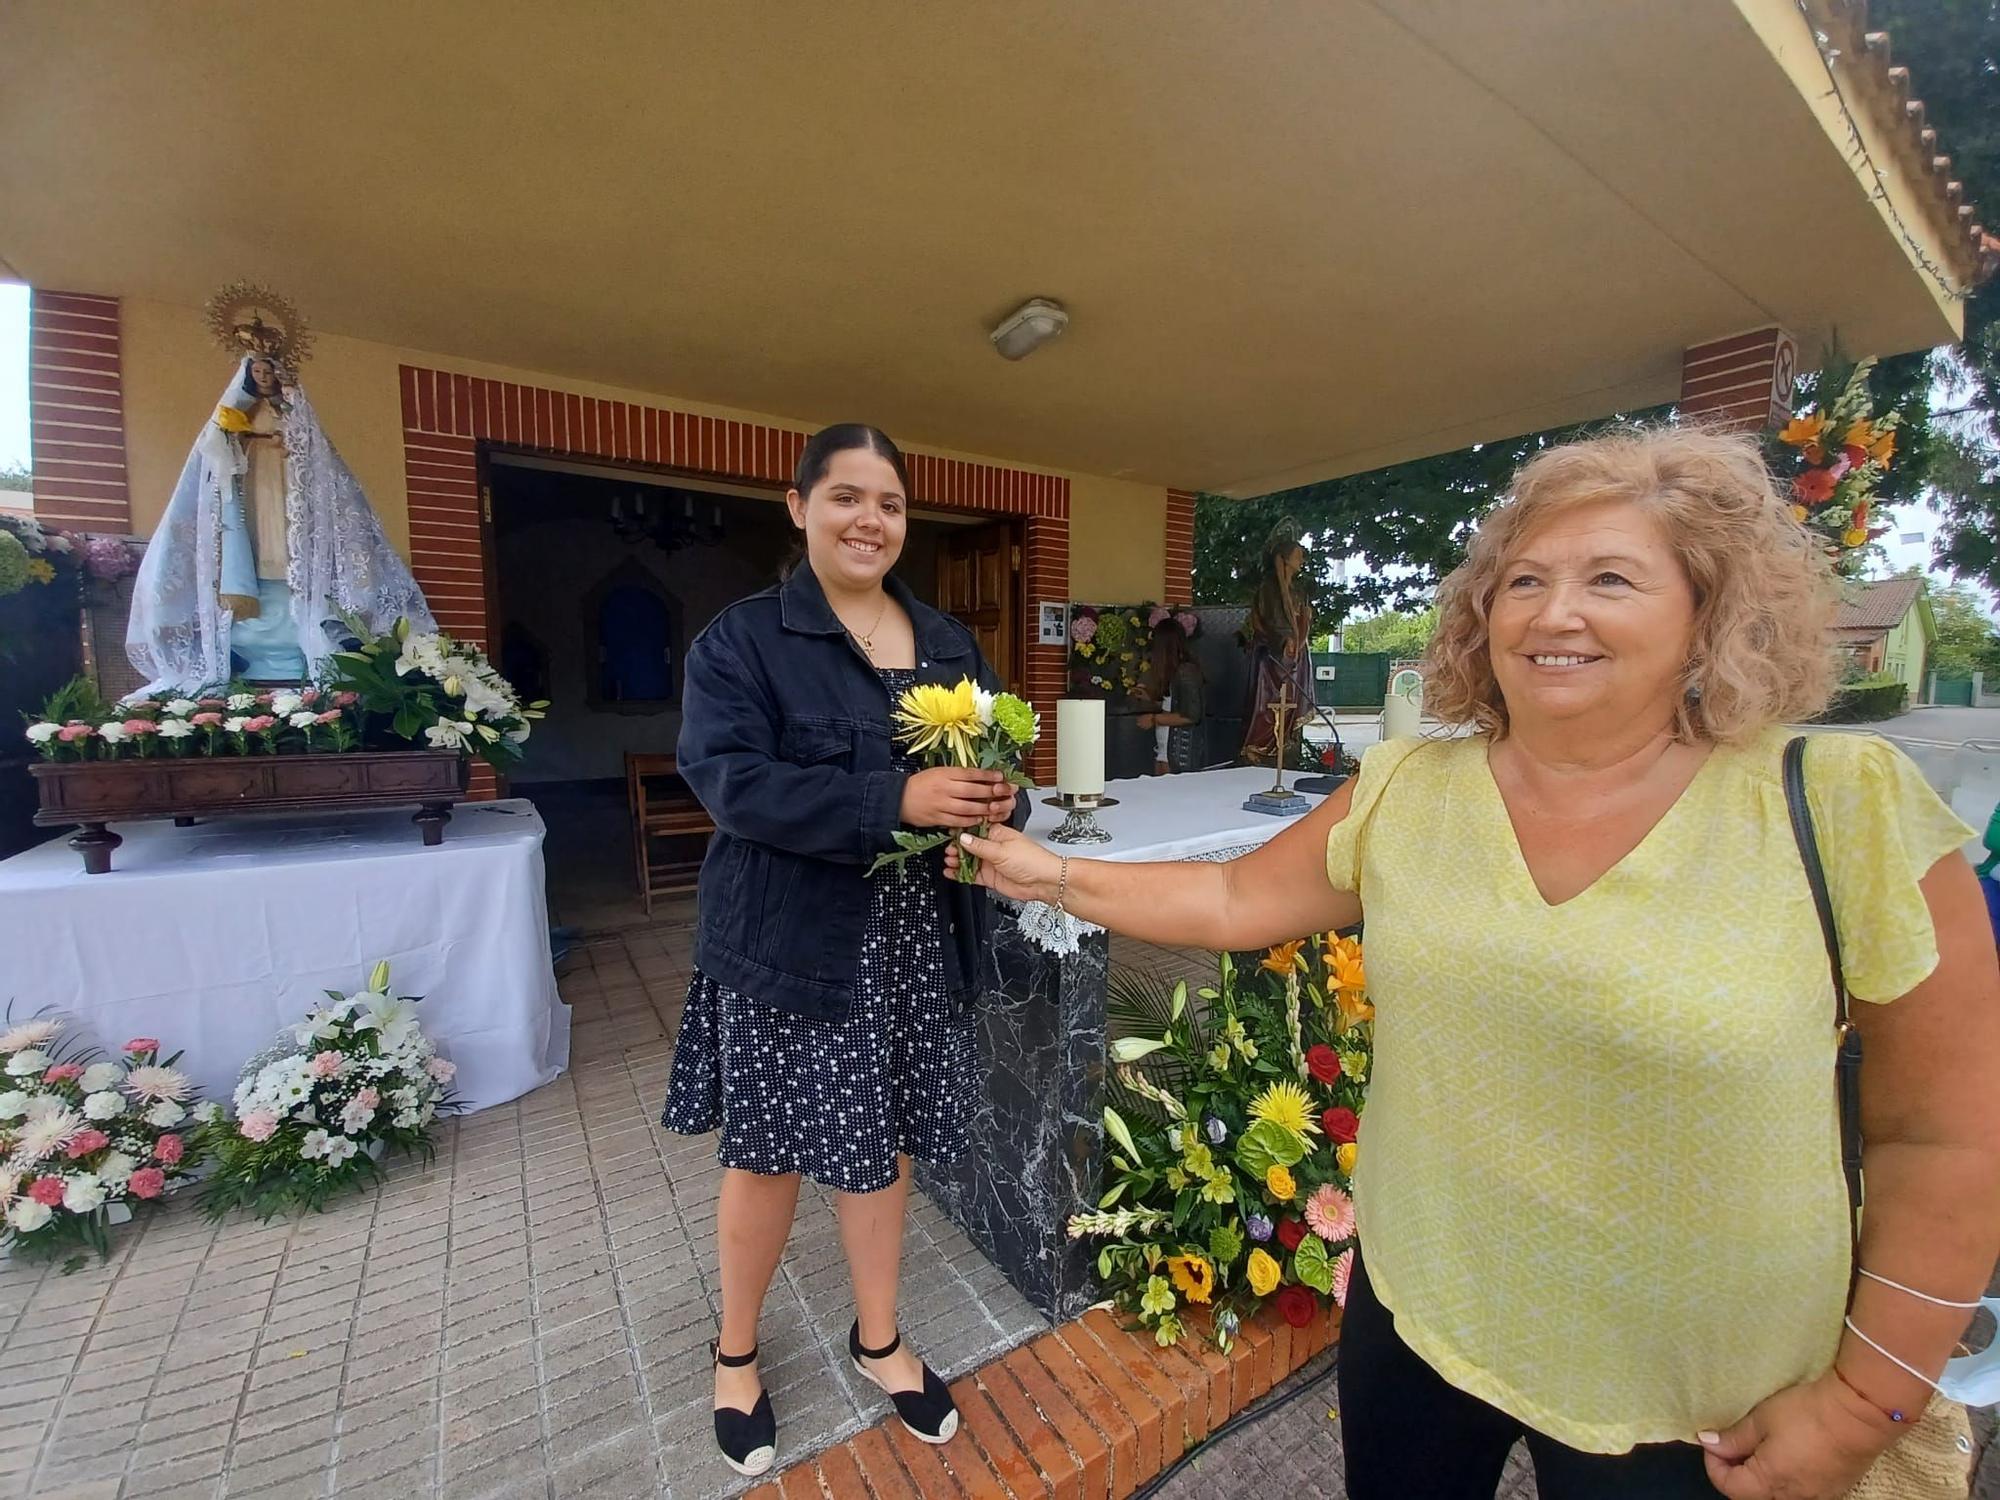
x: 340, y: 561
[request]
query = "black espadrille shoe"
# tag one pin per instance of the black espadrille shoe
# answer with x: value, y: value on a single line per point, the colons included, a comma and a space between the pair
x: 930, y: 1414
x: 748, y: 1439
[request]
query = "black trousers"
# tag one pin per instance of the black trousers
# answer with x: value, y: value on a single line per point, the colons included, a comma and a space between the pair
x: 1408, y: 1434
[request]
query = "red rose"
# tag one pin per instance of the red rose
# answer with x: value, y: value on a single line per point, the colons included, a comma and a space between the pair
x: 148, y: 1182
x: 1323, y: 1063
x: 1341, y: 1124
x: 48, y: 1190
x: 1296, y: 1305
x: 168, y: 1148
x: 1291, y: 1233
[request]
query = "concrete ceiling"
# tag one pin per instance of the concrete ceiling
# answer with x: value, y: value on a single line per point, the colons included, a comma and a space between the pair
x: 1296, y: 240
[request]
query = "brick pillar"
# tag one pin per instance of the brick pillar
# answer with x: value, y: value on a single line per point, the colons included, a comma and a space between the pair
x: 1742, y: 383
x: 1178, y: 585
x: 76, y: 403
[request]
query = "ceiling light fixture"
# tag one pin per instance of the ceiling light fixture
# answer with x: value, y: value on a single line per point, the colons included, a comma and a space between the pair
x: 1028, y: 327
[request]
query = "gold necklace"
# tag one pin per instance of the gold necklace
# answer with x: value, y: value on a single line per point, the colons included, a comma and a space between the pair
x: 866, y: 638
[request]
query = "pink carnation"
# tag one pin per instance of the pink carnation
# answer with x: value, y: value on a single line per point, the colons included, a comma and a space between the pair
x: 309, y: 696
x: 144, y: 703
x: 264, y: 697
x: 212, y: 702
x: 259, y: 724
x: 62, y: 1073
x: 207, y: 720
x: 346, y: 700
x: 1330, y: 1213
x: 47, y: 1190
x: 148, y: 1182
x: 169, y: 1149
x: 72, y: 732
x: 84, y: 1142
x: 331, y: 716
x: 258, y: 1125
x: 324, y: 1064
x: 143, y: 1044
x: 441, y: 1070
x: 141, y: 726
x: 368, y: 1099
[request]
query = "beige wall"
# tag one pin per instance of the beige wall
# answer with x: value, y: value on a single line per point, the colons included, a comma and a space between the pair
x: 173, y: 374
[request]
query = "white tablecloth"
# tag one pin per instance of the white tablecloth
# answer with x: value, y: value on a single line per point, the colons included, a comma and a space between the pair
x: 210, y: 938
x: 1198, y: 816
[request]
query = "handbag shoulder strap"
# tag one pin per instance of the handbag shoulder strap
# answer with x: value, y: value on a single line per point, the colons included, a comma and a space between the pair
x: 1847, y: 1058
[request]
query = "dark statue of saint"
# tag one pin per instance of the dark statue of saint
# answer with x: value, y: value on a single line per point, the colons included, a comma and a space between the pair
x: 1279, y: 634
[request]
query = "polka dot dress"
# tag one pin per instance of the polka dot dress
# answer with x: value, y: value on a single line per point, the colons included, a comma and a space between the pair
x: 837, y: 1100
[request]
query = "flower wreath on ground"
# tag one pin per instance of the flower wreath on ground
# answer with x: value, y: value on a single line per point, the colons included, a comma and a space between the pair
x: 84, y: 1140
x: 1230, y: 1140
x: 316, y: 1109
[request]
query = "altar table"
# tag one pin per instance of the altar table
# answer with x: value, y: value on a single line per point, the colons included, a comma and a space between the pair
x: 1037, y: 1134
x: 212, y: 937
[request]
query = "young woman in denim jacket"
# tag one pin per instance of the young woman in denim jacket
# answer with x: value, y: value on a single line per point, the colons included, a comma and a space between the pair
x: 829, y: 1029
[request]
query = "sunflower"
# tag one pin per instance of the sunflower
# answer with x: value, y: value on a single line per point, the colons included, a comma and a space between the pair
x: 1193, y: 1276
x: 1284, y: 958
x: 929, y: 716
x: 1285, y: 1103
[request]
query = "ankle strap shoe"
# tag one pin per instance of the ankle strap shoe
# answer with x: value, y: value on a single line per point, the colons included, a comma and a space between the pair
x: 748, y: 1439
x: 930, y: 1414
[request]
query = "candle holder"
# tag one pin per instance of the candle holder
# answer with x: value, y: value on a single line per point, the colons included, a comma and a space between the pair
x: 1080, y: 826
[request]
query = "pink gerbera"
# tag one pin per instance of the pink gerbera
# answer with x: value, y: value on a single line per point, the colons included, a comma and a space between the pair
x: 1330, y: 1213
x: 1343, y: 1271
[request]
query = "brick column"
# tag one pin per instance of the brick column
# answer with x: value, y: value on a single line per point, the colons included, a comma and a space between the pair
x: 1742, y: 383
x: 1178, y: 585
x: 76, y: 403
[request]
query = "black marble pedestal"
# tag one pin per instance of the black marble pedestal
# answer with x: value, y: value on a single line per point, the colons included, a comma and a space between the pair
x: 1037, y: 1130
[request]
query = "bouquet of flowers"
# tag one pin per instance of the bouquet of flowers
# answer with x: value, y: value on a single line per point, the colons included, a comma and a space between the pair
x: 316, y: 1110
x: 83, y: 1140
x: 961, y: 726
x: 440, y: 690
x: 1836, y: 456
x: 1230, y: 1144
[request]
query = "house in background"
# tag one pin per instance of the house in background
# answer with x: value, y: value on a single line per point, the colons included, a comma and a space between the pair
x: 1887, y: 625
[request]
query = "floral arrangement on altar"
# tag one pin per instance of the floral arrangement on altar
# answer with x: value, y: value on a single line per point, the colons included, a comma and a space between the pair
x: 315, y: 1111
x: 31, y: 553
x: 1835, y: 457
x: 1108, y: 645
x: 1230, y: 1141
x: 402, y: 686
x: 961, y: 726
x: 441, y: 690
x: 84, y: 1140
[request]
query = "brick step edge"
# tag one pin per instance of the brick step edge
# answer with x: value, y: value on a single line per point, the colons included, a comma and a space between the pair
x: 1087, y: 1411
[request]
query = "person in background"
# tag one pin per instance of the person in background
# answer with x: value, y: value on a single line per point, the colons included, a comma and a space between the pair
x: 829, y: 1028
x: 1599, y: 1189
x: 1173, y: 683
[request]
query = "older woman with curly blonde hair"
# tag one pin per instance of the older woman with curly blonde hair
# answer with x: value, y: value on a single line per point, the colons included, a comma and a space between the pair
x: 1600, y: 1187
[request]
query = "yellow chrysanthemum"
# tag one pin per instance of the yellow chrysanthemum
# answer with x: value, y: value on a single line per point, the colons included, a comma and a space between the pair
x: 1285, y: 1103
x: 40, y: 571
x: 1279, y: 1182
x: 1802, y: 430
x: 1263, y: 1273
x: 1345, y: 1157
x: 229, y: 419
x: 1193, y: 1275
x: 929, y: 715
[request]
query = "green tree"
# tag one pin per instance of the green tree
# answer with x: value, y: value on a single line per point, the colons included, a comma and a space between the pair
x: 1967, y: 641
x: 1401, y: 633
x: 15, y: 477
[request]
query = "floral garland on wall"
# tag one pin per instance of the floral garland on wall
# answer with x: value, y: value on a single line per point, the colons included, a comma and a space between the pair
x: 1834, y: 456
x: 1229, y: 1168
x: 1108, y: 645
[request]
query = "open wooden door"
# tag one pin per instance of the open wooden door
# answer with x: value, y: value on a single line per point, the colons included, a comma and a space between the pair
x: 979, y: 582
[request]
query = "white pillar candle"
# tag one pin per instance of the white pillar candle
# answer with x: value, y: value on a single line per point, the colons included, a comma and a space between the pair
x: 1403, y: 711
x: 1080, y: 747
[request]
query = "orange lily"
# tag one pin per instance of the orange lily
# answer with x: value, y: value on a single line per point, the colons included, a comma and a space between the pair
x: 1883, y: 448
x: 1802, y: 430
x: 1861, y: 434
x: 1284, y: 958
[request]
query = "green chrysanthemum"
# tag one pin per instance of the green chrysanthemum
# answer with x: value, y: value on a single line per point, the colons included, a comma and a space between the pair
x: 13, y: 564
x: 1112, y: 632
x: 1016, y: 719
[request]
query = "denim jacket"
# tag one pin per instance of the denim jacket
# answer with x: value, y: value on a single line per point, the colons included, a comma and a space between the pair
x: 785, y: 740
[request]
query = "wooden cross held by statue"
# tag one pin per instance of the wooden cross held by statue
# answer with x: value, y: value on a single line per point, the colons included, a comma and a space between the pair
x: 1281, y: 713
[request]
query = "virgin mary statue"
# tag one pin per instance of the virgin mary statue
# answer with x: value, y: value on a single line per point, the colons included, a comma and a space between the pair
x: 266, y: 548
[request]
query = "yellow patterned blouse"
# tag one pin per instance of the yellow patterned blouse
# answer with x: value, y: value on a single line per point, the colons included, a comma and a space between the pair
x: 1599, y: 1181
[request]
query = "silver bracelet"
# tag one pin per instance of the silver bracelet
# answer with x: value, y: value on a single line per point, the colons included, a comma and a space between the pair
x: 1913, y: 1292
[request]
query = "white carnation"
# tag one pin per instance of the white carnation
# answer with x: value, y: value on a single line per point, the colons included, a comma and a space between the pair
x: 165, y: 1115
x: 83, y: 1193
x: 13, y: 1104
x: 240, y: 701
x: 43, y: 732
x: 303, y: 719
x: 41, y: 1106
x: 182, y: 706
x: 115, y: 1168
x: 208, y: 1112
x: 114, y: 733
x: 33, y: 1061
x: 283, y: 704
x: 234, y: 726
x: 27, y: 1215
x: 175, y: 729
x: 103, y: 1106
x: 100, y: 1076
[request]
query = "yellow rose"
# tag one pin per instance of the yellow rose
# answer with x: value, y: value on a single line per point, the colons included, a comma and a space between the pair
x: 229, y: 419
x: 1263, y: 1273
x: 1279, y: 1180
x: 1854, y: 537
x: 1345, y: 1157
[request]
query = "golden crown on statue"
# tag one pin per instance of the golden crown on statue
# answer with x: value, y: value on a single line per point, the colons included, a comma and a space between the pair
x: 246, y: 318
